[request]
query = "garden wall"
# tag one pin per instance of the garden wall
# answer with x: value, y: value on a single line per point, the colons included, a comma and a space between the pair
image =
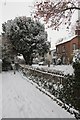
x: 56, y: 84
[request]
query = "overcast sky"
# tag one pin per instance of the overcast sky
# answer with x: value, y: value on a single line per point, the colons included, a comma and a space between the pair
x: 12, y: 8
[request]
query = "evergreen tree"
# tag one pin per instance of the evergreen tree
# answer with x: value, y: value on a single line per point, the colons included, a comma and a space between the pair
x: 7, y: 53
x: 27, y: 36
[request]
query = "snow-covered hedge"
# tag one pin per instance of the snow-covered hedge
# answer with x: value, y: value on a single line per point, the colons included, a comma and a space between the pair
x: 58, y: 85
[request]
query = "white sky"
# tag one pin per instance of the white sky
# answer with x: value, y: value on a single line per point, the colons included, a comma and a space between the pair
x: 12, y: 8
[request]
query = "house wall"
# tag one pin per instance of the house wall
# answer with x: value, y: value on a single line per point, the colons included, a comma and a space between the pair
x: 79, y: 41
x: 48, y: 57
x: 77, y: 32
x: 74, y: 41
x: 54, y: 56
x: 65, y: 50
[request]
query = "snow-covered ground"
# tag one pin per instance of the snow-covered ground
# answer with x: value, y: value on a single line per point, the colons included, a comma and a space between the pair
x: 0, y: 95
x: 21, y: 99
x: 65, y: 69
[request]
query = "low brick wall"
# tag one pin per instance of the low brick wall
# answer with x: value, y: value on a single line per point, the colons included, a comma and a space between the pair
x: 54, y: 78
x: 52, y: 83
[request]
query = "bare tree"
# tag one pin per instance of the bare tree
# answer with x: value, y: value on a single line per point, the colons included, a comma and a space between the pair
x: 56, y: 12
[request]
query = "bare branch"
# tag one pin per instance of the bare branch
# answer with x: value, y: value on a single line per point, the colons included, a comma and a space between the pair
x: 56, y: 12
x: 71, y: 8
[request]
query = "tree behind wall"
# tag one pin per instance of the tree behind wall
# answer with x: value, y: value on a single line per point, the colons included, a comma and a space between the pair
x: 27, y: 36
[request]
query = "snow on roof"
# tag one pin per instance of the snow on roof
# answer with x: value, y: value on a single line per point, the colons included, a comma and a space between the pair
x: 65, y: 40
x: 52, y: 49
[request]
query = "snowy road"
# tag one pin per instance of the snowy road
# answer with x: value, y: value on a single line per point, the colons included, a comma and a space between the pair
x: 21, y: 99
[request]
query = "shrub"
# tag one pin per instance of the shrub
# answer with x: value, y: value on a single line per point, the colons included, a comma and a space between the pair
x: 6, y: 65
x: 76, y: 66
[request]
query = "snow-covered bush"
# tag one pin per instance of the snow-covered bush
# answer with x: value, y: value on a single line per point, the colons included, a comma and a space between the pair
x: 76, y: 57
x: 76, y: 85
x: 70, y: 93
x: 64, y: 90
x: 76, y: 66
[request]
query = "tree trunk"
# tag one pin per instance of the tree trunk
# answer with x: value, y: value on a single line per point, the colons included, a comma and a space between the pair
x: 31, y: 60
x: 28, y: 59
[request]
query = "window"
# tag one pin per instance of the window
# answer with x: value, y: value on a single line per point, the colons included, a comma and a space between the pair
x: 63, y: 48
x: 57, y: 49
x: 74, y: 46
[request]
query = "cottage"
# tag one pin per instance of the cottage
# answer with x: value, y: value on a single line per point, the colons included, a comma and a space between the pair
x: 66, y: 48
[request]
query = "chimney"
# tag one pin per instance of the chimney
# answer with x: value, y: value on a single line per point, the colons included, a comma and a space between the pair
x: 77, y: 32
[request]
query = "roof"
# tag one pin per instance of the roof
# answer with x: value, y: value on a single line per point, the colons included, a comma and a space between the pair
x: 66, y: 40
x: 52, y: 49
